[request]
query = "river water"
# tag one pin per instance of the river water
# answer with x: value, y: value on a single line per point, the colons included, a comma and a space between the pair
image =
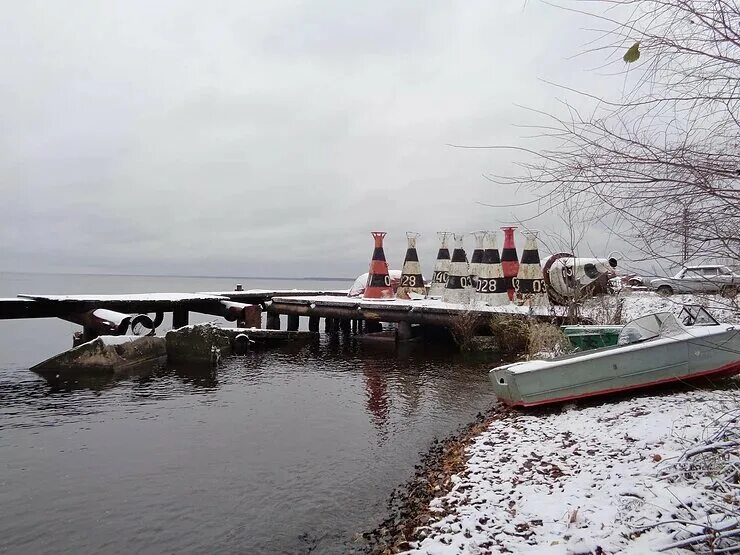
x: 292, y: 450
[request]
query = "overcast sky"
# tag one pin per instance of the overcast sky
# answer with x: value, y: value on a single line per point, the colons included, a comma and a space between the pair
x: 265, y: 138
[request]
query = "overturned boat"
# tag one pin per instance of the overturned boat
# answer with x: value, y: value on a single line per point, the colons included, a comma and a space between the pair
x: 651, y: 350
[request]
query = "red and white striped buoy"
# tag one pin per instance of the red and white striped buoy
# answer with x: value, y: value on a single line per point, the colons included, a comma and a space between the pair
x: 441, y: 267
x: 509, y: 260
x: 412, y: 280
x: 529, y: 282
x: 491, y: 286
x: 378, y: 281
x: 458, y: 288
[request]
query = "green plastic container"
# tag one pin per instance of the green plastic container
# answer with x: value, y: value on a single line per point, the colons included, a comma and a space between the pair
x: 585, y: 338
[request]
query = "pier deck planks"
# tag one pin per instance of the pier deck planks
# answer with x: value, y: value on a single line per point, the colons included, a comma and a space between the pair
x: 425, y: 311
x: 51, y: 306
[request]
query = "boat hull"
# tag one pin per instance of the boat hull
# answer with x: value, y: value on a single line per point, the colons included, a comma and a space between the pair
x: 617, y: 369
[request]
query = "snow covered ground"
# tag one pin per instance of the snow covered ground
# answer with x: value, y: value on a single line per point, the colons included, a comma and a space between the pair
x: 585, y: 479
x: 639, y: 303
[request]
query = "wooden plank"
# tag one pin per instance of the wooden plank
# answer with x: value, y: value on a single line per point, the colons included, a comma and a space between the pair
x: 254, y: 296
x: 11, y: 309
x: 414, y: 312
x: 50, y: 306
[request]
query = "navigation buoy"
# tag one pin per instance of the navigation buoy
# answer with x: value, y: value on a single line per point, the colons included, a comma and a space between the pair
x: 509, y: 260
x: 457, y: 289
x: 529, y: 282
x: 378, y: 281
x: 412, y: 280
x: 477, y: 257
x: 491, y: 286
x: 441, y: 267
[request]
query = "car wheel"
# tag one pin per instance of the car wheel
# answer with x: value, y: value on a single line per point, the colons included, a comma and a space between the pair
x: 729, y: 291
x: 665, y: 291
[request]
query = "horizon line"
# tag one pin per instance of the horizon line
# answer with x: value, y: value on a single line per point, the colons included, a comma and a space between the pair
x: 282, y: 278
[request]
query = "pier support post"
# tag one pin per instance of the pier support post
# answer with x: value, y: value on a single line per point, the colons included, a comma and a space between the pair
x: 313, y: 323
x: 354, y: 326
x: 273, y: 321
x: 251, y: 317
x: 373, y: 326
x: 179, y: 318
x: 403, y: 333
x: 293, y: 322
x: 345, y: 325
x: 328, y: 325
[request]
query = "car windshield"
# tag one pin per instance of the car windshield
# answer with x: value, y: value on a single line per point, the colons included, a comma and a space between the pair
x: 660, y: 324
x: 696, y: 315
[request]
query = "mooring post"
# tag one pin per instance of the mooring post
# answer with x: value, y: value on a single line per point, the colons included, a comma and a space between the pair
x: 179, y: 318
x: 293, y: 322
x: 313, y: 323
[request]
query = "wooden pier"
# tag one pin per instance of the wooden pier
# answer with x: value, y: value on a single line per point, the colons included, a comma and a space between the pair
x: 57, y: 306
x: 340, y: 312
x: 114, y: 314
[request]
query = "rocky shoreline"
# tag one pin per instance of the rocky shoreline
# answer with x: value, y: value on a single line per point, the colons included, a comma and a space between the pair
x: 409, y: 504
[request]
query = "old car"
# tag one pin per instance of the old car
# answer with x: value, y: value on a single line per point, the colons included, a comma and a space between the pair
x: 699, y: 279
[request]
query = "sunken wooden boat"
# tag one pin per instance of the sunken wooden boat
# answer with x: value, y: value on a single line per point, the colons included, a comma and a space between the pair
x: 654, y: 349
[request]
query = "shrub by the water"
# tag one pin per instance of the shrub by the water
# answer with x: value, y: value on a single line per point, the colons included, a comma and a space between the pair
x: 528, y: 337
x: 463, y: 327
x: 511, y: 334
x: 546, y: 340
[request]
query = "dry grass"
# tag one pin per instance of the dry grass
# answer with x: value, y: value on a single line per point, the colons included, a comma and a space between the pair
x: 464, y: 327
x: 546, y: 340
x: 511, y: 334
x: 528, y: 337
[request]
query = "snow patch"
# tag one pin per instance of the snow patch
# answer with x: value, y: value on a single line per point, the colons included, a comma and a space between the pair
x: 579, y: 480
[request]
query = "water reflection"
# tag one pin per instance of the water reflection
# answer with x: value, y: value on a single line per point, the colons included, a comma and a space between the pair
x: 376, y: 388
x: 198, y: 376
x: 307, y: 442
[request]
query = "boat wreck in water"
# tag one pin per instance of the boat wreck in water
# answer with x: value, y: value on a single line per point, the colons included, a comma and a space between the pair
x: 651, y: 350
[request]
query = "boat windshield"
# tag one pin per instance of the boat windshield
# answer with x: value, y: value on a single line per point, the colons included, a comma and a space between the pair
x: 660, y: 324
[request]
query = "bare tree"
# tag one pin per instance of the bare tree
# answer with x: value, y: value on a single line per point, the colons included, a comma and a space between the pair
x: 660, y: 163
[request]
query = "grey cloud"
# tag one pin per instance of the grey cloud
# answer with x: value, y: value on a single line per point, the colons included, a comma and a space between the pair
x: 250, y: 138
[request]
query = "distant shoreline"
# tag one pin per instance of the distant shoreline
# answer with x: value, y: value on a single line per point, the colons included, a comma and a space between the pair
x: 277, y: 278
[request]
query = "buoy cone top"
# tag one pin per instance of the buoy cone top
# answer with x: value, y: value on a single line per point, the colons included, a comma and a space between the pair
x: 378, y: 281
x: 476, y: 259
x: 491, y: 286
x: 458, y: 287
x: 412, y: 280
x: 530, y: 283
x: 441, y: 266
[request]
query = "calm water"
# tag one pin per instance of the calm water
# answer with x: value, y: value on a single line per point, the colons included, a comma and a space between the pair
x: 282, y: 451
